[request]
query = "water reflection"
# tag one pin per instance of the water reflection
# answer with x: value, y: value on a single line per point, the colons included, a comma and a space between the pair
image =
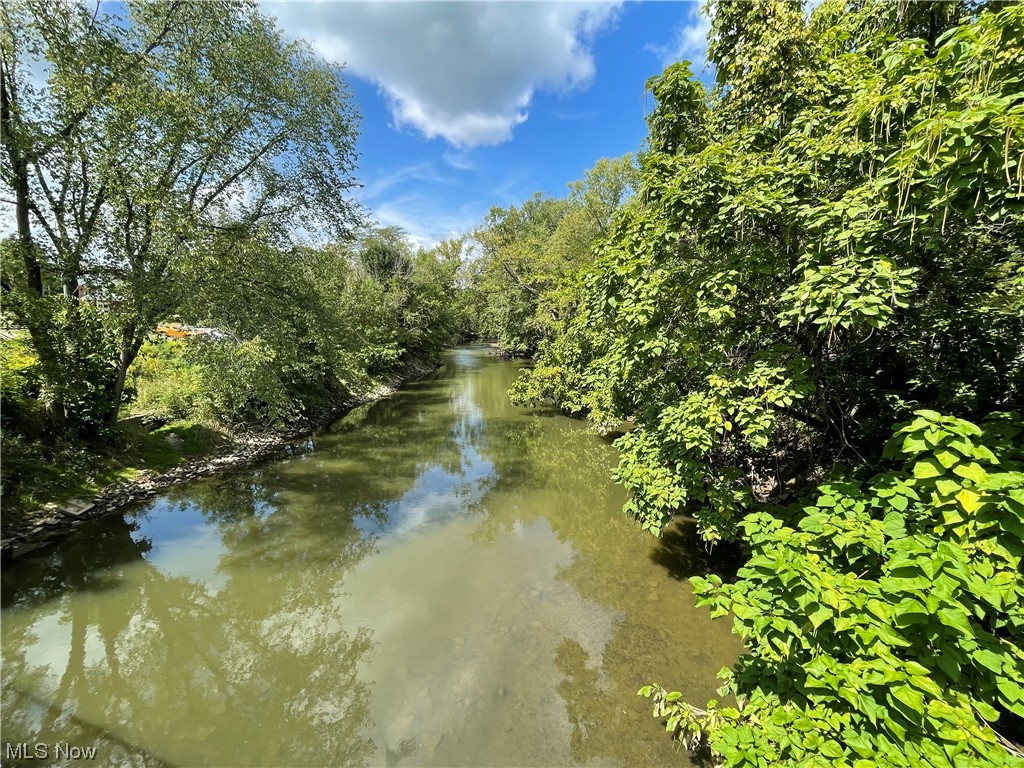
x: 159, y: 662
x: 439, y: 579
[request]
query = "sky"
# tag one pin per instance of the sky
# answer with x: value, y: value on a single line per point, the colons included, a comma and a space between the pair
x: 466, y: 105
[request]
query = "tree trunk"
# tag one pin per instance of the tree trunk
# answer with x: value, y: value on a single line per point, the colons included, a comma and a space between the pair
x: 19, y: 169
x: 28, y: 307
x: 129, y: 351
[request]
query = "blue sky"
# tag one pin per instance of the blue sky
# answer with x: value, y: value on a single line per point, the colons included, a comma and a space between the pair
x: 468, y: 105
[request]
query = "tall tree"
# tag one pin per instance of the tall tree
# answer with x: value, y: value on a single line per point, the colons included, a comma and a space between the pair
x: 158, y: 131
x: 807, y: 265
x: 531, y: 253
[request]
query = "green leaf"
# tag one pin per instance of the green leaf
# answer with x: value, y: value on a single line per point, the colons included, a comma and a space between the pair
x: 894, y: 523
x: 969, y: 500
x: 859, y: 743
x: 914, y: 445
x: 988, y: 659
x: 950, y: 666
x: 911, y: 698
x: 1012, y: 694
x: 898, y: 501
x: 956, y: 619
x: 927, y: 468
x: 831, y: 749
x: 987, y: 711
x: 972, y: 471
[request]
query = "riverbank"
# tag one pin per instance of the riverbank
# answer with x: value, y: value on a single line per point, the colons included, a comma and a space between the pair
x: 46, y: 524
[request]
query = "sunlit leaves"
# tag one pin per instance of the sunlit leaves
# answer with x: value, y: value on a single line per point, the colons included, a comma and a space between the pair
x: 804, y: 226
x: 876, y: 626
x: 825, y: 244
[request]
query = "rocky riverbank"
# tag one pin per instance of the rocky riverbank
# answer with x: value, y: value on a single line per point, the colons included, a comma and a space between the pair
x: 54, y: 520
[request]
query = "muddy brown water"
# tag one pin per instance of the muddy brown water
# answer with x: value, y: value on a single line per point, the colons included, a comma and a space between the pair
x: 440, y: 579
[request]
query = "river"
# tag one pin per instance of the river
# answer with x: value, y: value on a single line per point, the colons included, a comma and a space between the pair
x: 439, y: 579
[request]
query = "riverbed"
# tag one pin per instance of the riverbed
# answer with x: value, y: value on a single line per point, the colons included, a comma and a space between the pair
x: 438, y: 579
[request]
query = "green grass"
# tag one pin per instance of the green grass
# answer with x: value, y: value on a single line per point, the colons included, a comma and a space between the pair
x: 35, y: 474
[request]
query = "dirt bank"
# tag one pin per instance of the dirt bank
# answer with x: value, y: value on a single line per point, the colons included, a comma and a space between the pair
x: 47, y: 524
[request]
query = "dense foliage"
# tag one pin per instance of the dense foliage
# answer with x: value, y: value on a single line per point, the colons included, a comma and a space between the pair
x: 186, y: 163
x: 165, y: 134
x: 304, y: 329
x: 158, y: 173
x: 799, y: 275
x: 884, y: 617
x: 530, y: 255
x: 825, y: 245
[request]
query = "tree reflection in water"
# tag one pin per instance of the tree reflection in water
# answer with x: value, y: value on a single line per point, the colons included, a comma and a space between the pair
x: 155, y: 667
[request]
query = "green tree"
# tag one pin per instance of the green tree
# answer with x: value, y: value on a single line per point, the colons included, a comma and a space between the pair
x: 805, y: 266
x: 822, y: 246
x: 530, y: 254
x: 883, y: 618
x: 306, y: 327
x: 604, y: 189
x: 385, y: 254
x: 512, y: 275
x: 159, y: 132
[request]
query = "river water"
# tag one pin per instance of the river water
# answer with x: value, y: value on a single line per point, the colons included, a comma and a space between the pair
x: 439, y: 579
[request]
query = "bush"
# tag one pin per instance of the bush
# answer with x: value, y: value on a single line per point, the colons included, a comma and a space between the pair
x: 884, y: 619
x: 20, y: 383
x: 163, y: 383
x: 218, y: 380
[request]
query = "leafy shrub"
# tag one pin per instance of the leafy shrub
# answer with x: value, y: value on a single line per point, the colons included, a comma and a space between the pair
x: 239, y: 381
x: 884, y: 619
x: 219, y: 380
x: 20, y: 379
x: 817, y: 249
x: 164, y: 383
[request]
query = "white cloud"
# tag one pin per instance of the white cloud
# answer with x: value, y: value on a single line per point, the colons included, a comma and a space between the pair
x: 460, y: 161
x: 432, y: 205
x: 427, y: 221
x: 466, y: 71
x: 689, y: 42
x: 419, y: 172
x: 407, y: 197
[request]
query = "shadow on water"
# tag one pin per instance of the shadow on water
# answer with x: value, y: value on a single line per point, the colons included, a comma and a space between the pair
x: 545, y: 413
x: 71, y: 567
x: 683, y: 553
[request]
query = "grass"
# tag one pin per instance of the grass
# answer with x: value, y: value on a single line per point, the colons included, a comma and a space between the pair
x: 36, y: 474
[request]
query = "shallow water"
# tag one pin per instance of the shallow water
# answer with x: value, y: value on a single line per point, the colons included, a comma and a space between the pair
x: 440, y: 579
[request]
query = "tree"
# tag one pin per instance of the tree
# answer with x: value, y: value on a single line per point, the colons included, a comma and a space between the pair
x: 774, y: 302
x: 158, y: 132
x: 530, y: 251
x: 604, y: 189
x: 385, y: 253
x: 883, y: 617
